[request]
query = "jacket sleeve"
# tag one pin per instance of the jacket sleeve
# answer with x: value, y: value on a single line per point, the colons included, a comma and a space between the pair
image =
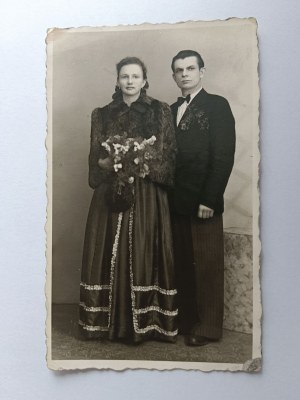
x: 163, y: 166
x: 96, y: 174
x: 222, y: 149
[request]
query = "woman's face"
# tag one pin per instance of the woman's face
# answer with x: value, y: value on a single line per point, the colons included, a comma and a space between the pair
x: 131, y: 79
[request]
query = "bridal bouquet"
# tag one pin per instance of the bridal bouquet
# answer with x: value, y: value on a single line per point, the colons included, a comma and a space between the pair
x: 130, y: 158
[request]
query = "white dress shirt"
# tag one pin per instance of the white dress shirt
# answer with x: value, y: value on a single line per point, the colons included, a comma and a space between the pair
x: 184, y: 106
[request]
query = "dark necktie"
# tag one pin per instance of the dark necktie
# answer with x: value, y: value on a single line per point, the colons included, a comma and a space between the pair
x: 181, y: 100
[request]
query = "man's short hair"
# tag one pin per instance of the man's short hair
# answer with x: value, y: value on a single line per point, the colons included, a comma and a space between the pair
x: 187, y: 53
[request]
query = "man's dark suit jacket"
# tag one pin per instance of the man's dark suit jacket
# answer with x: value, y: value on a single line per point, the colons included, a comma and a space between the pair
x: 206, y: 145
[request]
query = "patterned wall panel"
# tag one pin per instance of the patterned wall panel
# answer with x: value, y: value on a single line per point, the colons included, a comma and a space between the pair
x: 238, y: 282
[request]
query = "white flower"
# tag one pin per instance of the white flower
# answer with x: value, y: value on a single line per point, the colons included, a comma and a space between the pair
x: 151, y: 140
x: 117, y: 167
x: 117, y: 159
x: 117, y: 148
x: 131, y: 179
x: 136, y: 146
x: 106, y: 146
x: 147, y: 156
x: 136, y: 161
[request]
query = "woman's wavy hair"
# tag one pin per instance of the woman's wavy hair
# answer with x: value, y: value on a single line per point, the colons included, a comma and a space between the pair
x: 128, y: 61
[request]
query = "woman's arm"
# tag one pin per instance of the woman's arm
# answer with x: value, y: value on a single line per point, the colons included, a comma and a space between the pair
x: 98, y: 172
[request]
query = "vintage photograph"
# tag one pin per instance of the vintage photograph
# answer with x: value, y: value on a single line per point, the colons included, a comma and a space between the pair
x: 153, y: 197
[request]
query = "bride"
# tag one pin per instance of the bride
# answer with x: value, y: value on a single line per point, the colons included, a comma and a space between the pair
x: 127, y: 282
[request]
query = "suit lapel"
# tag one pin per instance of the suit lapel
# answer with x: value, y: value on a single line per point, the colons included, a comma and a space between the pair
x: 192, y: 108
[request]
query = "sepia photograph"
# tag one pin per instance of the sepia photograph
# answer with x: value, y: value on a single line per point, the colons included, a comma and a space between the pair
x: 153, y: 244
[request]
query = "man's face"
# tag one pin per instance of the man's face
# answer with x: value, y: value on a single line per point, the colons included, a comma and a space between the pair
x: 187, y: 74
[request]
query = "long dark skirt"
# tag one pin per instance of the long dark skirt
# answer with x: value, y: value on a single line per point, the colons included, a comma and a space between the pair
x: 127, y: 286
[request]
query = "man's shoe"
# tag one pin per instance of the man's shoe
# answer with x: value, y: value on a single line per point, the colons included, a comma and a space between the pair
x: 198, y: 340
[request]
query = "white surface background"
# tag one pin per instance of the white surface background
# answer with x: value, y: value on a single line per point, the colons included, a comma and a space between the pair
x: 24, y: 374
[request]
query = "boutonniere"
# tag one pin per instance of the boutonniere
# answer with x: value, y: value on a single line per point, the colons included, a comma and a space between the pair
x: 201, y: 119
x: 194, y: 116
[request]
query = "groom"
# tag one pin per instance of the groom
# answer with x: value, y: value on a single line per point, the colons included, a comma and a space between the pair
x: 205, y: 136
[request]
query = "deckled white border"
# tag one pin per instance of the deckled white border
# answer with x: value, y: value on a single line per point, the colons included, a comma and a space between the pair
x: 121, y: 365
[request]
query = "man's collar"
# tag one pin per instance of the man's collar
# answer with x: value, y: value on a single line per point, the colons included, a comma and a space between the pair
x: 193, y: 95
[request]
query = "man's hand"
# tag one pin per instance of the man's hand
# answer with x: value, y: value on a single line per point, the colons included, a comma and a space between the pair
x: 205, y: 212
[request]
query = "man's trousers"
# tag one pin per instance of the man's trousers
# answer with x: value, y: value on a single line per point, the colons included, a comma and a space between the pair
x: 199, y: 267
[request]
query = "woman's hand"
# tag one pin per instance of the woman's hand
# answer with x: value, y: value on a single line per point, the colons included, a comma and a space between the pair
x: 105, y: 163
